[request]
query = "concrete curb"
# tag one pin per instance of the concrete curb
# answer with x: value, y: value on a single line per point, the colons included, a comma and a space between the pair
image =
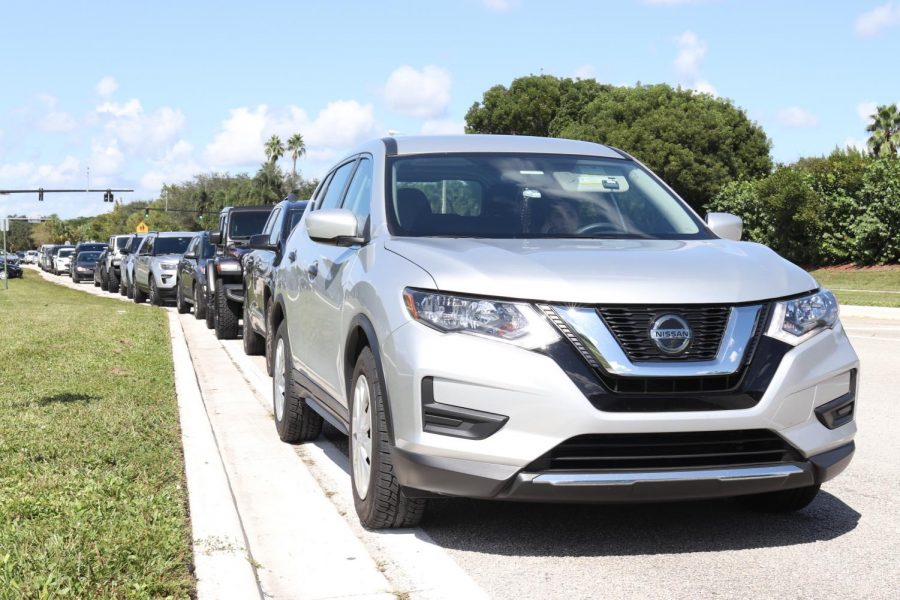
x: 870, y: 312
x: 222, y: 562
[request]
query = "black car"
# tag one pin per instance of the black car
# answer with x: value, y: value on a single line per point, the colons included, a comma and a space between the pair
x: 266, y: 254
x: 190, y: 283
x: 9, y: 269
x: 84, y: 265
x: 98, y: 270
x: 225, y: 282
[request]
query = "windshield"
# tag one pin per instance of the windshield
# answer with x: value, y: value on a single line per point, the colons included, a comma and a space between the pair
x: 66, y: 253
x: 98, y: 247
x: 171, y: 245
x: 533, y: 196
x: 245, y: 224
x: 88, y: 257
x: 121, y: 242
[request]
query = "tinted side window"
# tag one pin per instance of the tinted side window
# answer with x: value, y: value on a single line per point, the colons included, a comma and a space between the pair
x: 273, y: 225
x: 147, y: 246
x: 358, y: 199
x: 332, y: 198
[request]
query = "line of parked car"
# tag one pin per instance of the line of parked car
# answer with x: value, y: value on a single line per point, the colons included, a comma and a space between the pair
x: 520, y: 318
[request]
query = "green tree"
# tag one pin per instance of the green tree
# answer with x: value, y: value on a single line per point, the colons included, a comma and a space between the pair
x: 877, y: 231
x: 696, y: 142
x: 274, y: 149
x: 297, y: 147
x: 885, y: 131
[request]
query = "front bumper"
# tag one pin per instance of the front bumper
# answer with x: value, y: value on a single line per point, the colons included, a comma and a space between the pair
x: 165, y: 282
x: 542, y: 408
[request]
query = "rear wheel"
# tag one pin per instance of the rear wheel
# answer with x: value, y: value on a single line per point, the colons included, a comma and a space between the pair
x: 210, y: 311
x: 137, y: 295
x: 295, y: 421
x: 270, y: 335
x: 782, y: 501
x: 199, y: 304
x: 181, y: 304
x: 379, y: 500
x: 226, y: 315
x: 254, y: 344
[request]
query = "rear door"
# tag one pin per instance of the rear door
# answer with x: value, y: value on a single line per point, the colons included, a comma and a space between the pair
x: 186, y: 268
x: 142, y: 264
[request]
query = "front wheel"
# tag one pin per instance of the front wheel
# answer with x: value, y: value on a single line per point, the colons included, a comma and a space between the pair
x: 137, y: 295
x: 295, y: 421
x: 113, y: 282
x: 181, y: 304
x: 199, y: 303
x: 377, y: 496
x: 782, y: 501
x: 254, y: 344
x: 226, y: 315
x: 155, y: 298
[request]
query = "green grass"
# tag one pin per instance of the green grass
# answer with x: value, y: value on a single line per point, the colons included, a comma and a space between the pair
x: 873, y: 283
x: 92, y: 494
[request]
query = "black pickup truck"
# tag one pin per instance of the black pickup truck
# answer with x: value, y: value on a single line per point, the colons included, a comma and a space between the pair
x: 266, y: 254
x: 224, y: 279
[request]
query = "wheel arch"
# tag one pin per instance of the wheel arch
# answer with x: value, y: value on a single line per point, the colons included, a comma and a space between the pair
x: 361, y: 335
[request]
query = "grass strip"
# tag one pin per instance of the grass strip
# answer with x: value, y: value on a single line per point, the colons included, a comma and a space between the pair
x: 92, y: 493
x: 864, y: 287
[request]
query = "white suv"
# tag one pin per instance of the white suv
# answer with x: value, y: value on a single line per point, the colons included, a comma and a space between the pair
x: 541, y: 319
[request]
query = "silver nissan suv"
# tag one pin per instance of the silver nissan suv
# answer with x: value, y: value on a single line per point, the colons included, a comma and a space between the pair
x: 546, y: 320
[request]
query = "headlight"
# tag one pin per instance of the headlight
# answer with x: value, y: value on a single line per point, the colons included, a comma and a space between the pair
x: 517, y: 323
x: 796, y: 321
x: 228, y: 266
x: 170, y: 266
x: 116, y: 261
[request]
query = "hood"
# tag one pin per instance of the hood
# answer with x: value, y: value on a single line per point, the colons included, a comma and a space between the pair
x: 607, y: 271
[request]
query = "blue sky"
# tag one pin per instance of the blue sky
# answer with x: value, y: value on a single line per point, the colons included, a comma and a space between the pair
x: 146, y: 93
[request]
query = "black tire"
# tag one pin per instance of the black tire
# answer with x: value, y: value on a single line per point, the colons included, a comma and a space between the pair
x: 226, y: 315
x: 181, y: 304
x: 782, y: 501
x: 75, y: 279
x: 254, y: 344
x: 137, y: 295
x: 199, y: 304
x: 210, y: 311
x: 112, y: 285
x: 385, y: 505
x: 155, y: 298
x: 96, y: 283
x: 270, y: 335
x: 297, y: 422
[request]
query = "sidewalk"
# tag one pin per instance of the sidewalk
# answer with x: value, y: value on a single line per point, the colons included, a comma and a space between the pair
x: 870, y: 312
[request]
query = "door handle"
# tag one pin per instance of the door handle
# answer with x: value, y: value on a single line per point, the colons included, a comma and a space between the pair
x: 292, y: 256
x: 313, y: 270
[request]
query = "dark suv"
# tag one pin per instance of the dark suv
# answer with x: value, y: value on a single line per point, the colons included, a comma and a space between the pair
x: 224, y: 276
x: 266, y: 254
x: 190, y: 287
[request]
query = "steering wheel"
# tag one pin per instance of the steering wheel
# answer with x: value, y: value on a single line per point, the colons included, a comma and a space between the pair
x: 599, y: 228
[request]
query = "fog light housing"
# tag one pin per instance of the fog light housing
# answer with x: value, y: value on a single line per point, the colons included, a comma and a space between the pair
x: 840, y: 411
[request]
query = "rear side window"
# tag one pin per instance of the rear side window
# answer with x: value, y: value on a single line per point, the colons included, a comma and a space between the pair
x: 332, y: 198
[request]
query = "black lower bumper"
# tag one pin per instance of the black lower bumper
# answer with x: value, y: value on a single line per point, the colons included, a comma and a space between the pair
x: 423, y: 476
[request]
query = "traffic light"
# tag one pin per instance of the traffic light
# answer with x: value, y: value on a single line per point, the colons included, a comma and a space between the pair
x: 40, y: 194
x: 146, y: 213
x: 200, y: 215
x: 108, y: 196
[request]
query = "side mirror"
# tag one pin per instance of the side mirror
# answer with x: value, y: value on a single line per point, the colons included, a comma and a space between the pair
x: 215, y: 238
x: 190, y: 255
x: 125, y: 251
x: 260, y: 241
x: 333, y: 226
x: 725, y: 225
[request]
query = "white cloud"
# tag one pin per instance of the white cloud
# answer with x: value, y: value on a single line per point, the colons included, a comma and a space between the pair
x: 57, y: 122
x: 691, y: 52
x: 586, y: 72
x: 501, y: 5
x: 67, y: 171
x: 878, y: 19
x: 240, y: 142
x: 106, y: 158
x: 143, y: 134
x: 107, y: 86
x: 424, y: 93
x: 443, y: 127
x: 794, y: 116
x: 865, y: 110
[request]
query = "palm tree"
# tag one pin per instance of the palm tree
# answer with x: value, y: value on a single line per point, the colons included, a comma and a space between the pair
x: 297, y: 147
x: 885, y: 130
x: 274, y: 149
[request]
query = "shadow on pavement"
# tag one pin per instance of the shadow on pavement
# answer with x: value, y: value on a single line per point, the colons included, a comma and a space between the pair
x: 521, y: 529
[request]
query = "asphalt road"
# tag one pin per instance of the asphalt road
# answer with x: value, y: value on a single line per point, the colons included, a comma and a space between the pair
x: 845, y: 545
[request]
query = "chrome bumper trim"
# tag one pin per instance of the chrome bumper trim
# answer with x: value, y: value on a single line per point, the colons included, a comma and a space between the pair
x: 631, y: 478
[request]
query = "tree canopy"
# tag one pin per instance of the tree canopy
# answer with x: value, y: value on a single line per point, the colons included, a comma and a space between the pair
x: 697, y: 143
